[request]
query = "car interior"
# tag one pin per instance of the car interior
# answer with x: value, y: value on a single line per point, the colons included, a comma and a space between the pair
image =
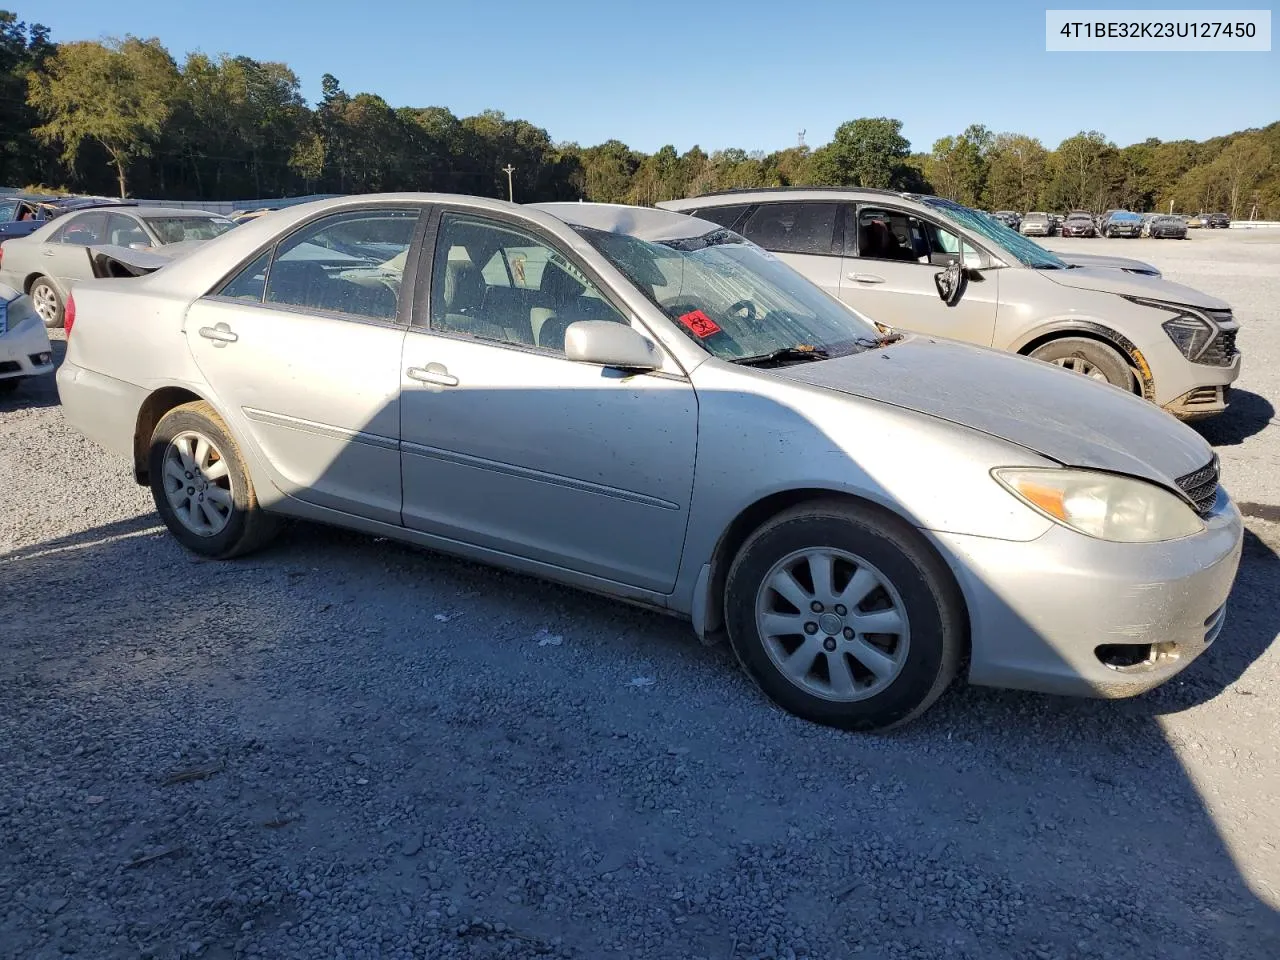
x: 525, y: 293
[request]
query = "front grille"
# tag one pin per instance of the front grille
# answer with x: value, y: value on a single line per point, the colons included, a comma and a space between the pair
x: 9, y: 366
x: 1221, y: 350
x: 1201, y: 487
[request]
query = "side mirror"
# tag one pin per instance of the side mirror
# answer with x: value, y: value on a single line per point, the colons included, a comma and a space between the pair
x: 951, y: 283
x: 610, y: 344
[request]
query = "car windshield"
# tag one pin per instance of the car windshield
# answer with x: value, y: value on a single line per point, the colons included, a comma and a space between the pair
x: 178, y: 229
x: 734, y: 299
x: 1124, y: 215
x: 1025, y: 251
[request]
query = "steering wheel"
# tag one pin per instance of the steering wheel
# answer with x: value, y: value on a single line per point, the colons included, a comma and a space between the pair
x: 746, y: 308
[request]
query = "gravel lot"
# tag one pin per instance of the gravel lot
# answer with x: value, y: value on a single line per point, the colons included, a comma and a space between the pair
x: 345, y: 748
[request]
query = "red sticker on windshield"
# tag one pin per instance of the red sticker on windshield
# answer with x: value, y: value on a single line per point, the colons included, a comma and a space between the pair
x: 699, y: 324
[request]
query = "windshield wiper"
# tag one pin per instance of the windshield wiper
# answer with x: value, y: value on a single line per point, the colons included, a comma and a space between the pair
x: 884, y: 341
x: 782, y: 355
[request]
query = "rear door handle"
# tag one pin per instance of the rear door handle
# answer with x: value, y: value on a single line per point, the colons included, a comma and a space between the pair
x: 866, y: 278
x: 220, y: 334
x: 432, y: 373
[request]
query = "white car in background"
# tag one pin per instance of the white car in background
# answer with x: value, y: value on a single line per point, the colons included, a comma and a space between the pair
x: 49, y: 261
x: 24, y: 344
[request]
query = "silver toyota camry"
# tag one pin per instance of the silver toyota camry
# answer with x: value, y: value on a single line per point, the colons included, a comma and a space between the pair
x: 645, y: 405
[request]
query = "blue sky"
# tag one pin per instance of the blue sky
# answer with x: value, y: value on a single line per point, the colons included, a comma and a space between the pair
x: 747, y: 73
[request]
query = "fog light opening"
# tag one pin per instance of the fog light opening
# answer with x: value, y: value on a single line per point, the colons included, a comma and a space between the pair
x: 1126, y: 657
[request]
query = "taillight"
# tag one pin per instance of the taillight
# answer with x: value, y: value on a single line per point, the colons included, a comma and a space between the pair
x: 69, y: 315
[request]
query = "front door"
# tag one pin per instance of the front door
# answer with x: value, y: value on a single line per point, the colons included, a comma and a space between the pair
x: 891, y: 257
x: 302, y: 348
x: 509, y: 445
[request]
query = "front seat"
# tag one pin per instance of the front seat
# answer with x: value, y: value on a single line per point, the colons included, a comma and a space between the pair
x: 559, y: 305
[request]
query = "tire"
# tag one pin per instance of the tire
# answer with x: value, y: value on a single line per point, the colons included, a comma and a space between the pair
x: 233, y: 522
x: 1090, y: 358
x: 914, y: 665
x: 48, y: 302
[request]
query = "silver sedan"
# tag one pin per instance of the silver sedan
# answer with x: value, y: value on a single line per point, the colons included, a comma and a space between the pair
x: 642, y: 404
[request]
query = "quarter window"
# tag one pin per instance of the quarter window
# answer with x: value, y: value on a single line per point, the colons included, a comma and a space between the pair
x: 793, y: 227
x: 498, y: 283
x: 350, y: 263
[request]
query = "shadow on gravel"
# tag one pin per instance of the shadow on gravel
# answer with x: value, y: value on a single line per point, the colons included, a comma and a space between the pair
x: 346, y: 740
x: 1250, y: 413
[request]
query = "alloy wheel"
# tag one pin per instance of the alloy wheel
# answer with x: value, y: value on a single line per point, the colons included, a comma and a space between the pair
x: 46, y: 302
x: 1081, y: 366
x: 833, y: 624
x: 197, y: 483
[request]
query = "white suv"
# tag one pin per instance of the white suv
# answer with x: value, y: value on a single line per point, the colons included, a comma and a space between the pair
x: 880, y: 251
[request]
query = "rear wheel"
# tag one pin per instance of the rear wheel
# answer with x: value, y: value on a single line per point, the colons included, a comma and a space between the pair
x: 844, y: 616
x: 47, y: 301
x: 201, y: 487
x: 1089, y: 358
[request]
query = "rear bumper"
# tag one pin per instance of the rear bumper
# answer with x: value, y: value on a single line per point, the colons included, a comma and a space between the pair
x: 1047, y: 615
x: 102, y: 408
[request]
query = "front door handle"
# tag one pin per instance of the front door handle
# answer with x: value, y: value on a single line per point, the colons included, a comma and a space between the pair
x: 46, y: 253
x: 220, y: 334
x: 866, y: 278
x: 432, y: 373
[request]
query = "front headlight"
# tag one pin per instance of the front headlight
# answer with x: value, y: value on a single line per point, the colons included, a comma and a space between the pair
x: 1190, y: 331
x: 1102, y: 505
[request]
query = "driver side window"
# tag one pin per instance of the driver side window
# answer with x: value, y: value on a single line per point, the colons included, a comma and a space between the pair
x: 497, y: 283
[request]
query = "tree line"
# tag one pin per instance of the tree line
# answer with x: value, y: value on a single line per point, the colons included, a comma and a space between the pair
x: 123, y: 116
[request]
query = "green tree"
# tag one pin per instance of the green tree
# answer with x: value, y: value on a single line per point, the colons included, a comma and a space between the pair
x: 1239, y: 168
x: 117, y: 94
x: 1082, y: 172
x: 1017, y: 172
x: 23, y: 49
x: 868, y: 152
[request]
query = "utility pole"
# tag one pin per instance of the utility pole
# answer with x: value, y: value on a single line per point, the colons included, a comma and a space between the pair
x: 511, y: 190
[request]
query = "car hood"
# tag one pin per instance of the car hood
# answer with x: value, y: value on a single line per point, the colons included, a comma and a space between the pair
x: 1108, y: 280
x: 1113, y: 263
x: 1034, y: 404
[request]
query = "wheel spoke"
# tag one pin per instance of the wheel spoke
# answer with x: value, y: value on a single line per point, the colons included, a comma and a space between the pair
x: 871, y: 657
x: 194, y: 520
x: 780, y: 624
x: 785, y: 584
x: 820, y: 573
x: 210, y: 514
x: 219, y: 496
x: 184, y: 447
x: 173, y: 470
x: 799, y: 662
x: 216, y: 470
x: 858, y: 587
x: 882, y: 621
x: 201, y: 455
x: 841, y: 678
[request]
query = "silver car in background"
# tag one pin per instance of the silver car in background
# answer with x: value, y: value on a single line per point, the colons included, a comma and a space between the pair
x: 48, y: 262
x: 878, y: 251
x: 645, y: 405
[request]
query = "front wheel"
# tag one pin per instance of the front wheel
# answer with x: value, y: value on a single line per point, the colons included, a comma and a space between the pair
x: 47, y: 301
x: 844, y: 616
x: 1089, y: 358
x: 201, y: 486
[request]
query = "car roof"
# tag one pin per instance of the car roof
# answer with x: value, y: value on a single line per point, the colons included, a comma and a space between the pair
x: 764, y: 194
x: 646, y: 223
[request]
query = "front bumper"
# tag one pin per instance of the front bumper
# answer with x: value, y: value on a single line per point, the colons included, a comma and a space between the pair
x: 25, y: 351
x: 1048, y: 615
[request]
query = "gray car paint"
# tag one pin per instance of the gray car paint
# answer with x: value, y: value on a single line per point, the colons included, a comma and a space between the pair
x: 565, y: 465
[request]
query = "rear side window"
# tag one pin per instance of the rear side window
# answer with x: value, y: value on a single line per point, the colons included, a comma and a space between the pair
x: 87, y: 228
x: 122, y: 231
x: 349, y: 263
x: 793, y: 227
x: 726, y: 216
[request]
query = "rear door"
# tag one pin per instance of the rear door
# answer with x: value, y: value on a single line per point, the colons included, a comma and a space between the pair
x: 302, y: 349
x: 891, y: 258
x: 807, y: 236
x: 63, y: 258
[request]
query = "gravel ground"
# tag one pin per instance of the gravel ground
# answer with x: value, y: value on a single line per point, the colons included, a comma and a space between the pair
x: 346, y: 748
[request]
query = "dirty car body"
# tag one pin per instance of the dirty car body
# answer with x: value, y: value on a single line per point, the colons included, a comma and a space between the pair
x: 645, y: 405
